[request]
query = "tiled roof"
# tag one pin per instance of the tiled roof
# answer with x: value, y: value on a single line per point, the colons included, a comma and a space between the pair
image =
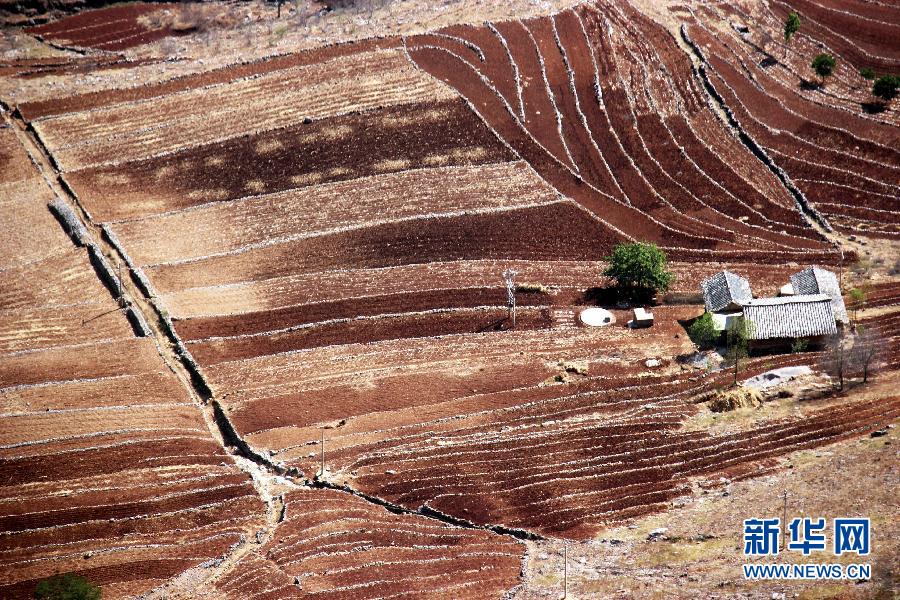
x: 816, y: 280
x: 724, y: 289
x: 790, y: 317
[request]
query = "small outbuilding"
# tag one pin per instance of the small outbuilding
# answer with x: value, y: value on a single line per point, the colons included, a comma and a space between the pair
x: 777, y: 322
x: 642, y: 318
x: 816, y: 280
x: 725, y: 292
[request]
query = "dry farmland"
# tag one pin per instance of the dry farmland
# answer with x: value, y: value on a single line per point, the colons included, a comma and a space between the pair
x: 254, y: 333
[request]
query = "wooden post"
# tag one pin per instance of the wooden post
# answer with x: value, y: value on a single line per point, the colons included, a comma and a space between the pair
x: 565, y: 571
x: 322, y: 468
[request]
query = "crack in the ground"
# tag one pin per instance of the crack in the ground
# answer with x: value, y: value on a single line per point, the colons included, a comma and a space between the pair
x: 131, y: 298
x: 425, y: 511
x: 813, y: 216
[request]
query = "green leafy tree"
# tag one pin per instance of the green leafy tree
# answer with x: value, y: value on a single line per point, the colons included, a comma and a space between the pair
x: 738, y: 335
x: 791, y: 26
x: 66, y: 587
x: 886, y: 87
x: 824, y: 65
x: 703, y: 331
x: 867, y: 73
x: 640, y: 270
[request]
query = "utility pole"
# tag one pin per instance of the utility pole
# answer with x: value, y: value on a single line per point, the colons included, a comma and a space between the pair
x: 565, y: 571
x: 784, y: 524
x: 509, y: 276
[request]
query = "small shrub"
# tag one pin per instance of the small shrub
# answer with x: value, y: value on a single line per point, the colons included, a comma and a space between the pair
x: 799, y: 345
x: 824, y: 65
x: 867, y: 73
x: 703, y: 331
x: 66, y: 587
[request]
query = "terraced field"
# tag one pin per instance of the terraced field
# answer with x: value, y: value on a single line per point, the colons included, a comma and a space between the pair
x: 316, y: 244
x: 332, y: 545
x: 549, y: 85
x: 110, y: 29
x: 837, y: 148
x: 109, y: 469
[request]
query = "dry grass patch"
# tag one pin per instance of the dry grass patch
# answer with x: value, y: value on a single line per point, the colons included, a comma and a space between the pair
x: 256, y: 186
x: 268, y: 146
x: 307, y: 179
x: 389, y: 166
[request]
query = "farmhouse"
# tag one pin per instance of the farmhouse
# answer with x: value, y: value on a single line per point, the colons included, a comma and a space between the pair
x: 816, y: 280
x: 776, y: 322
x: 725, y: 292
x: 808, y: 309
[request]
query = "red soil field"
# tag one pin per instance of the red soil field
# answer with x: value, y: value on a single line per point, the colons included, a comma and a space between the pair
x: 335, y: 149
x: 562, y: 230
x: 138, y: 130
x: 223, y: 227
x: 80, y: 102
x: 292, y: 299
x: 864, y: 33
x: 364, y: 330
x: 111, y: 28
x: 365, y: 545
x: 571, y: 64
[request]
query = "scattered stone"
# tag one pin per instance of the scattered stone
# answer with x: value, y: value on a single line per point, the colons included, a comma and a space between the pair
x: 390, y: 472
x: 776, y: 377
x: 652, y: 362
x: 657, y: 534
x: 880, y: 433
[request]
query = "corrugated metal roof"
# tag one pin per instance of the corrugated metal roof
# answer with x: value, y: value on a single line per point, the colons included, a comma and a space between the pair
x: 724, y: 289
x: 816, y: 280
x: 790, y: 317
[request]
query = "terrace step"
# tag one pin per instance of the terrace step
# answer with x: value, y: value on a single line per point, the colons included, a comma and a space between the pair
x: 562, y: 318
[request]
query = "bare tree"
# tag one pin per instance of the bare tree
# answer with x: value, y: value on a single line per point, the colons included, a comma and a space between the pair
x: 864, y: 354
x: 834, y: 360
